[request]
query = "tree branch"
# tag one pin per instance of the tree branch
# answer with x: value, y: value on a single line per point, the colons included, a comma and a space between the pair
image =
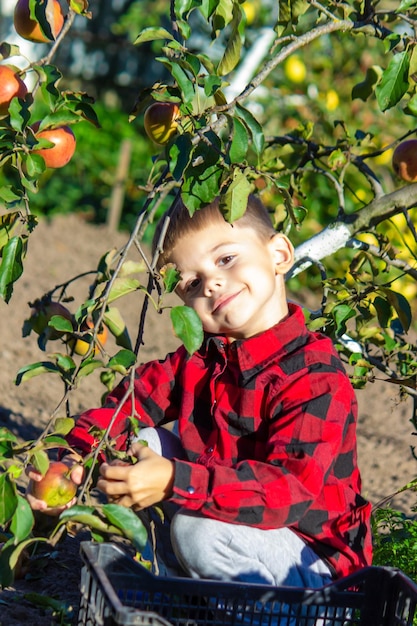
x: 336, y: 235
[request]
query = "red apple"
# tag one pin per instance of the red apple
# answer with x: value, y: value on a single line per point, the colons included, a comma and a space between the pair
x: 61, y: 153
x: 11, y: 86
x: 160, y: 121
x: 56, y: 487
x: 404, y: 160
x: 29, y: 29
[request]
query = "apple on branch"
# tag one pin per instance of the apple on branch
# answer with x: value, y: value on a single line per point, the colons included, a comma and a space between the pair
x: 11, y: 86
x: 30, y: 29
x: 160, y: 121
x: 404, y: 160
x: 63, y: 149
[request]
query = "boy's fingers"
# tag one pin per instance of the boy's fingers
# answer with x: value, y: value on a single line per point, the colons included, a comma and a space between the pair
x: 112, y: 487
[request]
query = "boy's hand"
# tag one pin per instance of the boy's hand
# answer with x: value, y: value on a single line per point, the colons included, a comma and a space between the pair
x: 77, y: 476
x: 138, y: 486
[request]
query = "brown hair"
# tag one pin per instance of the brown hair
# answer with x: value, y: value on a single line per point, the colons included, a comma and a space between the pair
x: 182, y: 223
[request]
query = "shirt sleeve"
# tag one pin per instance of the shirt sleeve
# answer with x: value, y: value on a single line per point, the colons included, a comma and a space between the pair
x: 151, y: 401
x: 311, y: 426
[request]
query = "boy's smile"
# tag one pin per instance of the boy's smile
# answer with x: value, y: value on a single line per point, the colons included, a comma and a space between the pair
x: 233, y: 278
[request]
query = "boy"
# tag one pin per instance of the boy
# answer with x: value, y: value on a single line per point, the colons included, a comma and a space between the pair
x: 266, y: 486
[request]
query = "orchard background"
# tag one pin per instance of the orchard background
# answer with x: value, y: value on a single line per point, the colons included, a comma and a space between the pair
x: 301, y: 102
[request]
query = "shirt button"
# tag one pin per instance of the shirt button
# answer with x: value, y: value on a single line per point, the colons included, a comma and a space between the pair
x: 190, y: 490
x: 210, y: 450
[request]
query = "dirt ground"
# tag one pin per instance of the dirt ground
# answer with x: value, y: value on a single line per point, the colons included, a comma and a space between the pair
x: 60, y: 249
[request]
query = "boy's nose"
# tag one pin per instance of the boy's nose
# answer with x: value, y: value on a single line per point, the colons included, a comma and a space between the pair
x: 212, y: 284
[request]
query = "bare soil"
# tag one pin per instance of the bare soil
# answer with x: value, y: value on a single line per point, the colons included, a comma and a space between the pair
x: 60, y: 249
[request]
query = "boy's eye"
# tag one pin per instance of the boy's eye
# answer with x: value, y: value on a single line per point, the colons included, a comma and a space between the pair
x: 192, y: 284
x: 226, y: 259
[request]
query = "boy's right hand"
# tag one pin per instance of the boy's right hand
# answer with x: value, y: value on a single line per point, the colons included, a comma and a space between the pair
x: 77, y: 476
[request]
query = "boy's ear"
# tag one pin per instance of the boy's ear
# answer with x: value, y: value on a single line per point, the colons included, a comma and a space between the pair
x: 282, y: 252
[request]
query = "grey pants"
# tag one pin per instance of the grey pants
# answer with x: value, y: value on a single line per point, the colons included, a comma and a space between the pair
x: 188, y: 543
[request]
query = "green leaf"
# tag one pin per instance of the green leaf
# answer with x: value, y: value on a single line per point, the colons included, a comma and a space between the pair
x: 19, y: 113
x: 234, y: 200
x: 63, y: 425
x: 187, y: 327
x: 123, y: 286
x: 11, y: 267
x: 117, y: 326
x: 40, y: 461
x: 6, y: 435
x: 203, y: 175
x: 7, y: 224
x: 22, y: 520
x: 180, y: 155
x: 128, y: 522
x: 211, y: 84
x: 170, y: 276
x: 122, y: 361
x: 8, y: 194
x: 89, y: 365
x: 240, y: 142
x: 201, y: 186
x: 35, y: 165
x: 8, y: 50
x: 8, y: 498
x: 152, y: 34
x: 254, y: 127
x: 61, y: 323
x: 181, y: 77
x: 86, y: 516
x: 35, y: 369
x: 394, y: 81
x: 49, y: 75
x: 80, y: 7
x: 342, y: 313
x: 405, y: 5
x: 401, y: 306
x: 365, y: 88
x: 222, y: 15
x: 231, y: 55
x: 38, y: 13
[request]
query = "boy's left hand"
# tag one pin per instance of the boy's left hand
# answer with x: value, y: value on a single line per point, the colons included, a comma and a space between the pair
x: 138, y: 486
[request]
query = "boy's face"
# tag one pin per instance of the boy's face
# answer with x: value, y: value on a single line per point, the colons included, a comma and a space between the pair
x: 233, y: 279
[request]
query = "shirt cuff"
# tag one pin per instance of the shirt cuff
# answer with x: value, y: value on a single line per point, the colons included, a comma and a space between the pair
x: 190, y: 484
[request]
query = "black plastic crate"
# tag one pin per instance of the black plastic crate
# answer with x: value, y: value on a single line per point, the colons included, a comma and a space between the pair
x: 118, y: 591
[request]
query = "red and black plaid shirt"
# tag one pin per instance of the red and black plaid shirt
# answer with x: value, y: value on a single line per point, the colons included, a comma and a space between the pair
x: 269, y: 429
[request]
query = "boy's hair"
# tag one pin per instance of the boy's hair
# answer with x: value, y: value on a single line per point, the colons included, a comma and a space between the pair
x: 182, y: 223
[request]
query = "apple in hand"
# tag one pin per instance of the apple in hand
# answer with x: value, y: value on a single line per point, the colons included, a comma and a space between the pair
x: 61, y: 153
x: 404, y: 160
x: 56, y: 487
x: 11, y: 86
x: 160, y: 121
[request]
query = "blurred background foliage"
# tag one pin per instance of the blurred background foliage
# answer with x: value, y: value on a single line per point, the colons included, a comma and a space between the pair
x: 310, y: 94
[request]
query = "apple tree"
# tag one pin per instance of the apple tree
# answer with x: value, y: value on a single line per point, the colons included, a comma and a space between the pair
x: 304, y: 103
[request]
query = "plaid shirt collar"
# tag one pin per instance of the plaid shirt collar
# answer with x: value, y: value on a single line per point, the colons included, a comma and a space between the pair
x: 256, y: 352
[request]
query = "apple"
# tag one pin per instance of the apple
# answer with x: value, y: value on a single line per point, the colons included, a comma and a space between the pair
x: 81, y: 346
x: 42, y: 311
x: 295, y: 69
x: 61, y: 153
x: 160, y: 121
x: 56, y: 487
x: 404, y: 160
x: 11, y: 86
x: 29, y: 29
